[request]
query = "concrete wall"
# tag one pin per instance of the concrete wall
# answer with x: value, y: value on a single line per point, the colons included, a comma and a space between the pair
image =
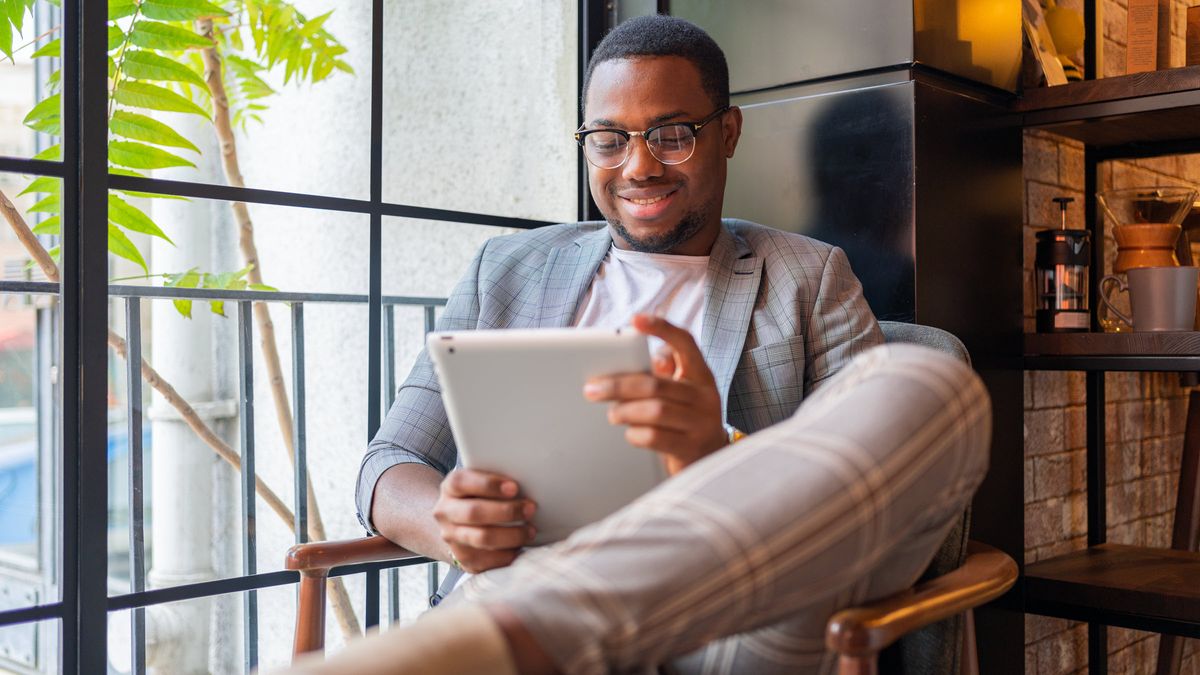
x: 479, y: 104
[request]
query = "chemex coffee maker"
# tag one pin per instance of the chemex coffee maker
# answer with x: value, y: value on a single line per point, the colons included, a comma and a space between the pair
x: 1146, y: 225
x: 1061, y: 269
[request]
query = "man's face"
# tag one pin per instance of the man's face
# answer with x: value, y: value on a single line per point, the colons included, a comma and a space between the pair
x: 651, y: 206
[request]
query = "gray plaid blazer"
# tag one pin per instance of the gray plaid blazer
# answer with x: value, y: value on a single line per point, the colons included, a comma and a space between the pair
x: 783, y: 312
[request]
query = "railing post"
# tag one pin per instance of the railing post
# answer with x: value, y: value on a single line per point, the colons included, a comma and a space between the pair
x: 249, y: 524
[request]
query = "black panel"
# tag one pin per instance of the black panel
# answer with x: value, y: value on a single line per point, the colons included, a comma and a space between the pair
x: 839, y: 167
x: 968, y: 250
x: 769, y: 43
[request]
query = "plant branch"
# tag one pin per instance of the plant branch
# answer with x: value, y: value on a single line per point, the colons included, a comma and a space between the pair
x: 48, y: 33
x: 189, y: 415
x: 222, y: 124
x: 121, y: 59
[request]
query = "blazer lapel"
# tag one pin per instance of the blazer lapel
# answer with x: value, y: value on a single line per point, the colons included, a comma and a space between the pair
x: 734, y: 274
x: 568, y: 274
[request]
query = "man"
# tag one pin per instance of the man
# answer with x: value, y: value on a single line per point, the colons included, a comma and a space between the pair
x: 753, y: 320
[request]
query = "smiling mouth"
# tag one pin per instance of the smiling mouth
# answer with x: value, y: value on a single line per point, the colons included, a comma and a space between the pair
x: 652, y: 200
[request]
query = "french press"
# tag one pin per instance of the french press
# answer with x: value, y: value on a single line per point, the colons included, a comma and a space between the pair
x: 1061, y: 270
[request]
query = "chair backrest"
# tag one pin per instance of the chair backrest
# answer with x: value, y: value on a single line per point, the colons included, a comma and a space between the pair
x: 936, y: 648
x: 915, y: 333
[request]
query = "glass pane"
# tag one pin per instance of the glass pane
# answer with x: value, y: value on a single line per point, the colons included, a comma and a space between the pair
x: 487, y: 135
x: 28, y: 647
x: 29, y: 402
x: 294, y: 77
x: 207, y: 635
x: 424, y: 259
x: 30, y: 108
x: 192, y: 510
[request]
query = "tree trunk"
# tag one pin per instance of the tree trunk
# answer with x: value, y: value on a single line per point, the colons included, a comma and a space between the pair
x: 222, y: 123
x: 149, y: 374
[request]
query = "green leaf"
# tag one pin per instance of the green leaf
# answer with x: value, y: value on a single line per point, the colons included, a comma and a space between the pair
x: 180, y: 10
x: 51, y: 203
x: 154, y: 97
x: 162, y: 36
x: 51, y: 48
x: 132, y: 218
x: 115, y: 37
x: 51, y: 225
x: 46, y: 116
x: 16, y: 13
x: 119, y: 245
x: 142, y: 65
x: 142, y: 156
x: 51, y: 154
x: 141, y: 128
x: 6, y: 37
x: 47, y: 184
x: 52, y: 82
x: 188, y: 279
x: 263, y: 287
x: 119, y: 9
x: 314, y: 24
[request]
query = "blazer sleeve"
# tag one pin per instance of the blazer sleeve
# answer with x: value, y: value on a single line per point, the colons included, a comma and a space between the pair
x: 841, y: 325
x: 416, y: 430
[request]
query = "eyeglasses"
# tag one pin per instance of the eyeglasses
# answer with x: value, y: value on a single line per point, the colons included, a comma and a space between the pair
x: 671, y: 143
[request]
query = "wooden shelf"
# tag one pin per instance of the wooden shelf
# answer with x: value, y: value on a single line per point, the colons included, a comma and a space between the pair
x: 1143, y: 588
x: 1113, y: 351
x: 1154, y: 107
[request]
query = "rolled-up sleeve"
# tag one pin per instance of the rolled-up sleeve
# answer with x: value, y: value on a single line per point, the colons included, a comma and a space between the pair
x: 416, y: 430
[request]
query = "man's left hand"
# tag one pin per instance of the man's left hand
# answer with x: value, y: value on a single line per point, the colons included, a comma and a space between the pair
x: 674, y: 410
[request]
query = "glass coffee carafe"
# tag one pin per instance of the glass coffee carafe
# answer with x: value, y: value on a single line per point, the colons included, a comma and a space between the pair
x: 1145, y: 223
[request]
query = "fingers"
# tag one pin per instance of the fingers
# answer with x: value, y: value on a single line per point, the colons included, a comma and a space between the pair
x: 635, y: 386
x: 475, y: 483
x: 688, y: 358
x: 481, y: 519
x: 654, y: 412
x: 477, y: 511
x: 475, y: 560
x: 656, y: 438
x: 490, y: 538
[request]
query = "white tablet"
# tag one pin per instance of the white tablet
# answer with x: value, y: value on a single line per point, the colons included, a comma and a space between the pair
x: 515, y: 403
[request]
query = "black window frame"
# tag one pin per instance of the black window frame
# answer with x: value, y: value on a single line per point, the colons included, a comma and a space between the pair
x: 84, y: 294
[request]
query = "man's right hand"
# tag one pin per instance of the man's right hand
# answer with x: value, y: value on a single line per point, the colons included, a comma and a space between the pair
x: 482, y: 519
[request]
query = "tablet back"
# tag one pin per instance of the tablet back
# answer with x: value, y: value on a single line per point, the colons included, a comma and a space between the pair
x: 515, y: 403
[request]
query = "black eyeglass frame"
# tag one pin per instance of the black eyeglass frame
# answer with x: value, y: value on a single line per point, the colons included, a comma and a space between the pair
x: 581, y: 134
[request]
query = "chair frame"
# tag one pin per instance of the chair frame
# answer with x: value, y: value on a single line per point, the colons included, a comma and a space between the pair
x: 856, y: 634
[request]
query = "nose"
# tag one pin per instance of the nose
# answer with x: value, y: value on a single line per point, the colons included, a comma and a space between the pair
x: 641, y: 164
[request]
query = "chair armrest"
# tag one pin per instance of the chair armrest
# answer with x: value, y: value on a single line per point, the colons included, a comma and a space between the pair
x: 314, y: 561
x: 861, y: 631
x: 320, y: 556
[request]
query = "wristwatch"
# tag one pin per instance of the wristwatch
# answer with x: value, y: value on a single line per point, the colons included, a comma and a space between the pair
x: 735, y: 434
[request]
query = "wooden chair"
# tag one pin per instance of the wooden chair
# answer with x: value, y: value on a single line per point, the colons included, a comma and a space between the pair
x: 856, y: 634
x: 963, y: 575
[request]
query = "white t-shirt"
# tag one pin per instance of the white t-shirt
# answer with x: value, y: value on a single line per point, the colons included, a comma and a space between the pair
x: 630, y: 282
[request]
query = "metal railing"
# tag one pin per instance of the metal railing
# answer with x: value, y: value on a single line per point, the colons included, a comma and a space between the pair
x: 251, y: 579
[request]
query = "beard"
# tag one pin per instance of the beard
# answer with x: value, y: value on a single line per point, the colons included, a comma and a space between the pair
x: 687, y: 227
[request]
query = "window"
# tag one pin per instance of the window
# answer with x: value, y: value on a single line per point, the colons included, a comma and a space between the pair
x: 122, y: 505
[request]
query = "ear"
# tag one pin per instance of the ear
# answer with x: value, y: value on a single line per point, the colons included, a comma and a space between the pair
x: 731, y: 129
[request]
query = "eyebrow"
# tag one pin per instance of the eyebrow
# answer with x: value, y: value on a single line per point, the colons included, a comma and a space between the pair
x: 604, y: 122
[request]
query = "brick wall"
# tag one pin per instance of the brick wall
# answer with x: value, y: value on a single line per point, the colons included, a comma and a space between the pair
x: 1144, y: 412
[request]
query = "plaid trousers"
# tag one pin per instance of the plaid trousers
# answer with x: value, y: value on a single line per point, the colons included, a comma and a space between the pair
x: 735, y: 564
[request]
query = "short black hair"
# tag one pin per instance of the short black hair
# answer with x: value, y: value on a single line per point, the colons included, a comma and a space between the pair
x: 658, y: 35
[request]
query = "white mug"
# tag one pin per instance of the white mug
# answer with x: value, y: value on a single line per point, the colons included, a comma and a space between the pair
x: 1160, y: 298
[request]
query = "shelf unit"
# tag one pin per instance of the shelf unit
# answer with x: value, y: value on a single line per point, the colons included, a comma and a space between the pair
x: 1144, y: 115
